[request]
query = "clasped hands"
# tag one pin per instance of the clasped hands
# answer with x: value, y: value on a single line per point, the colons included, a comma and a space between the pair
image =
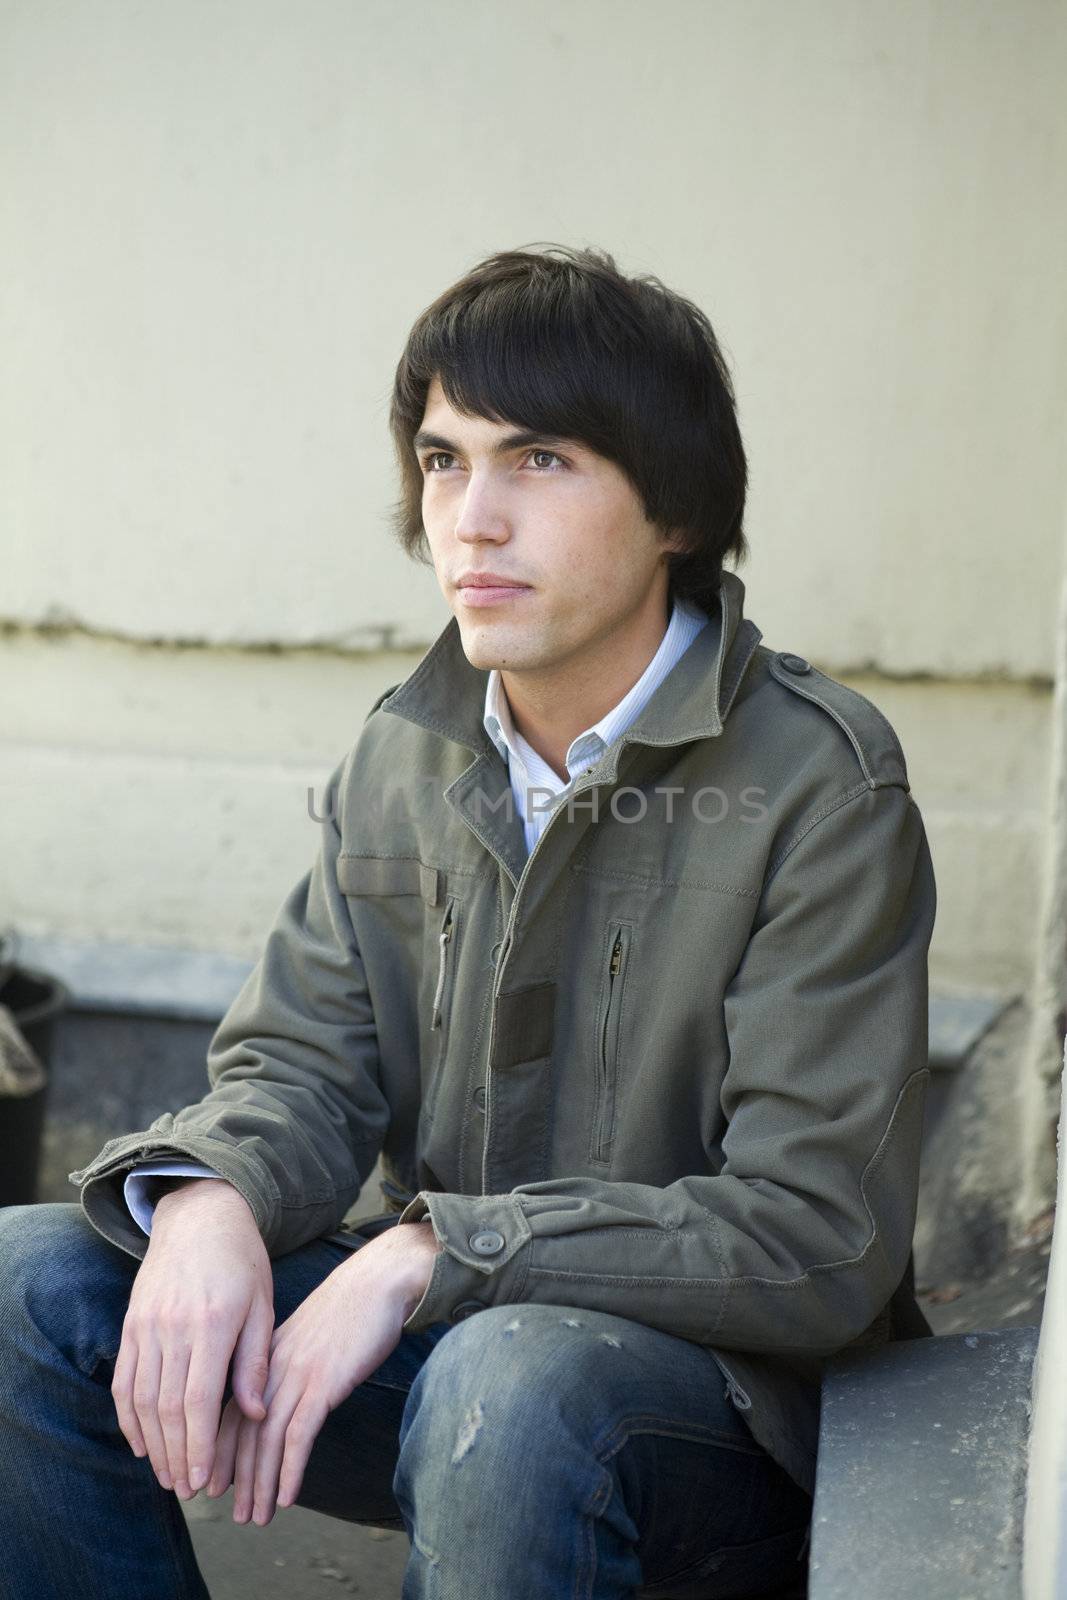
x: 203, y: 1294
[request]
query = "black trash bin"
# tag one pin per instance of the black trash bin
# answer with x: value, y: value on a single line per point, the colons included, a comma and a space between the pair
x: 35, y: 1000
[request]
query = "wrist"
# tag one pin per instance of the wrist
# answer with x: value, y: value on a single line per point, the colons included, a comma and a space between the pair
x: 416, y: 1247
x: 178, y: 1193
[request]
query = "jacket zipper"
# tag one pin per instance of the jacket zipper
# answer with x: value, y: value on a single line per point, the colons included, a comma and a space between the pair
x: 609, y: 1046
x: 444, y: 939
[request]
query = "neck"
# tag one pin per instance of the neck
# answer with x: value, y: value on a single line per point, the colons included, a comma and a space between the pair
x: 551, y: 707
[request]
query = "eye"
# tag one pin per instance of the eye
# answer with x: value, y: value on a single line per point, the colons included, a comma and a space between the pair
x: 437, y: 455
x: 552, y: 456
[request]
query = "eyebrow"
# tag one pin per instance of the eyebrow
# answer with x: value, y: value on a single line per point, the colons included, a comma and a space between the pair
x: 510, y: 441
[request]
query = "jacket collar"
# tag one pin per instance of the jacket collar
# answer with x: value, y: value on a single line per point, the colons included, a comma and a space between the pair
x: 446, y: 694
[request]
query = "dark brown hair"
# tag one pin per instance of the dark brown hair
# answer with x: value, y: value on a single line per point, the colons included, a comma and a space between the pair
x: 559, y: 341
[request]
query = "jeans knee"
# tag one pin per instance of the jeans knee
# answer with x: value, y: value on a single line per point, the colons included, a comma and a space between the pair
x: 53, y: 1264
x: 528, y: 1369
x: 29, y: 1236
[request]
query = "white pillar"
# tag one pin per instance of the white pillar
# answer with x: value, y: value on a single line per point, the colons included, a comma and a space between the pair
x: 1042, y: 1067
x: 1045, y: 1517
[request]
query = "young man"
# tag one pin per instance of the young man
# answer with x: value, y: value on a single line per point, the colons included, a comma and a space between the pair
x: 615, y: 950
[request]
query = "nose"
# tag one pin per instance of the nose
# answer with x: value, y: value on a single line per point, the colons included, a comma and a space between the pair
x: 481, y: 513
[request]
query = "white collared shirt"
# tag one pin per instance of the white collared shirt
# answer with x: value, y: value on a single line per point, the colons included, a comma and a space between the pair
x: 531, y: 776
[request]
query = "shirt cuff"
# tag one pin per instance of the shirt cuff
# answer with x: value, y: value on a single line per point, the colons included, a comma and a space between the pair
x: 486, y: 1240
x: 138, y: 1191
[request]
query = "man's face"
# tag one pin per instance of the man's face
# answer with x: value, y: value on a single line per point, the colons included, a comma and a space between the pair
x: 548, y: 515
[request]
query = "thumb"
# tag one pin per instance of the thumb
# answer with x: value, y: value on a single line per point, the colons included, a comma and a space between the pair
x: 251, y: 1361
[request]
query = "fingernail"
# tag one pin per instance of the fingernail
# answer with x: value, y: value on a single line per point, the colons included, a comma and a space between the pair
x: 197, y: 1478
x: 164, y: 1478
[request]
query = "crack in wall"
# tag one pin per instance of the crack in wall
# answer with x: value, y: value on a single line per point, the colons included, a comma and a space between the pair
x: 375, y: 638
x: 372, y: 639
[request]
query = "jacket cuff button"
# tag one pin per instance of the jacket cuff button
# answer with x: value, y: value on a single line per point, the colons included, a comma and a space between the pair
x: 488, y: 1242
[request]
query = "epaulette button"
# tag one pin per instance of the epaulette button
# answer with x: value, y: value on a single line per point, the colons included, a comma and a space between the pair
x: 795, y: 663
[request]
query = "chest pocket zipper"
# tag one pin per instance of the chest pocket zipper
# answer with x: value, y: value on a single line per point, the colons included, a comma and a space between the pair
x: 446, y: 960
x: 608, y: 1054
x: 444, y: 940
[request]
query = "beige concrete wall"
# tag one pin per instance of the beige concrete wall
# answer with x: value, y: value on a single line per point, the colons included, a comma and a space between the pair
x: 220, y: 221
x: 978, y: 758
x: 160, y: 796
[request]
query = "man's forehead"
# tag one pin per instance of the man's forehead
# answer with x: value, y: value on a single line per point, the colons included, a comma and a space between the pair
x: 442, y: 426
x: 439, y: 413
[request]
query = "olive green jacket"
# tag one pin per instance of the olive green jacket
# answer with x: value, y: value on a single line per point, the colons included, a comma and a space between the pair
x: 671, y: 1065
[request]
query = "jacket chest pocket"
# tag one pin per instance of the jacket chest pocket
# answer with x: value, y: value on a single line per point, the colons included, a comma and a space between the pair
x: 609, y: 1033
x: 388, y: 875
x: 406, y: 925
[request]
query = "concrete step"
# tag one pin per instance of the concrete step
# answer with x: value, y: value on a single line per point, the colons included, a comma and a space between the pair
x: 921, y: 1477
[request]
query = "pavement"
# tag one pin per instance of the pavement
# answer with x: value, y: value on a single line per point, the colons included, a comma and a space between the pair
x: 299, y: 1555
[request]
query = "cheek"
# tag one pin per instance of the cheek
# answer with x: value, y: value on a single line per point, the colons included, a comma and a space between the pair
x: 438, y: 526
x: 595, y: 567
x: 581, y: 541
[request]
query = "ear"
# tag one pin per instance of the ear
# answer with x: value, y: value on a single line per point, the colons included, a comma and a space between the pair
x: 673, y: 540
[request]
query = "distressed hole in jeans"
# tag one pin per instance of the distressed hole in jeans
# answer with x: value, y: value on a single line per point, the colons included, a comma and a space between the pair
x: 468, y: 1431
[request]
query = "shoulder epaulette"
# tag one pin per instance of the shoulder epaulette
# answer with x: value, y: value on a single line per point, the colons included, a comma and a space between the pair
x: 869, y: 732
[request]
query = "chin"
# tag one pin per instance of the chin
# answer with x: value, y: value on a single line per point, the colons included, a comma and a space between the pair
x: 486, y: 646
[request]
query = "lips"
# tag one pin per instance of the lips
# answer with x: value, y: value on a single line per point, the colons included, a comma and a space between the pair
x: 485, y: 589
x: 490, y: 581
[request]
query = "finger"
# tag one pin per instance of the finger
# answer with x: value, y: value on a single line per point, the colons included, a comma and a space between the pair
x: 172, y: 1414
x: 222, y: 1470
x: 245, y: 1468
x: 248, y: 1446
x: 269, y: 1454
x: 251, y: 1361
x: 304, y: 1428
x: 122, y: 1393
x: 204, y: 1385
x: 146, y: 1408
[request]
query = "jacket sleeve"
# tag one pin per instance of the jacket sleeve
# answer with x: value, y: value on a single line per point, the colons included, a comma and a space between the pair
x: 797, y: 1242
x: 296, y: 1115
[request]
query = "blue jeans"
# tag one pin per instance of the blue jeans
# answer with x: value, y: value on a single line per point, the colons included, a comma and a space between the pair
x: 529, y: 1451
